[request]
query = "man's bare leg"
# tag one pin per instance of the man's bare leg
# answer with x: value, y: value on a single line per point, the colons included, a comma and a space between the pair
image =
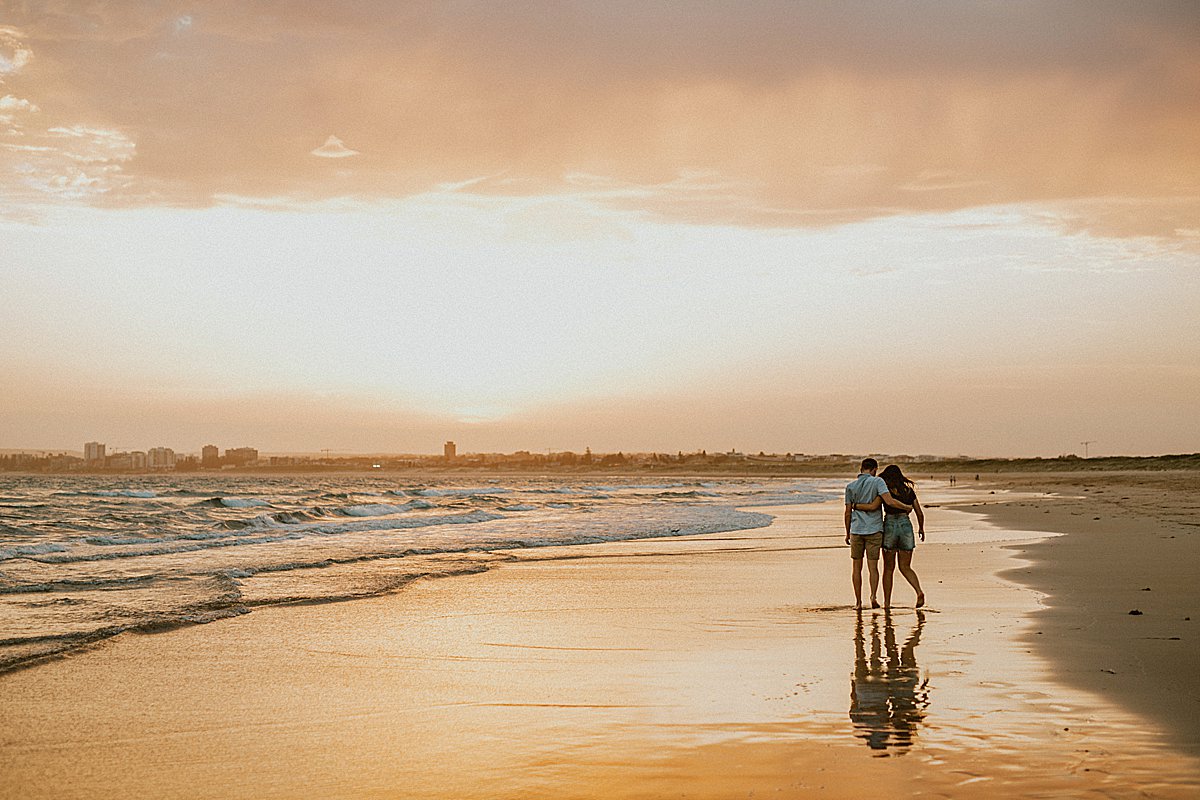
x: 856, y: 579
x: 889, y: 575
x: 873, y: 573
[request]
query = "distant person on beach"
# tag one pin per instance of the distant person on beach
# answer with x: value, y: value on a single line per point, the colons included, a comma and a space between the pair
x: 898, y: 540
x: 864, y: 526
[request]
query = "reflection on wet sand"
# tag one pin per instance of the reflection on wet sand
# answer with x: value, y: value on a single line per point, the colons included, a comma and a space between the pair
x: 888, y: 696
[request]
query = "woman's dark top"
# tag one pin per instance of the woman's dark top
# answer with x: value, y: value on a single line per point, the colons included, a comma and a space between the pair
x: 905, y: 494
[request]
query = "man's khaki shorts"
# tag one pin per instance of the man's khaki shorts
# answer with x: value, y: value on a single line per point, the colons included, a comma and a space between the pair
x: 869, y: 543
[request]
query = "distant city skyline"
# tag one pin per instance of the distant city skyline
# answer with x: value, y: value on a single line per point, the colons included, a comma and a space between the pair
x: 210, y: 455
x: 373, y: 227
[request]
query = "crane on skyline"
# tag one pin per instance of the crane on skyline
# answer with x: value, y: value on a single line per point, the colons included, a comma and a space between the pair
x: 1086, y: 445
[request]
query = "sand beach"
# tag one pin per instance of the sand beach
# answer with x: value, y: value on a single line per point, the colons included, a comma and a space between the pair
x: 1132, y: 544
x: 721, y: 665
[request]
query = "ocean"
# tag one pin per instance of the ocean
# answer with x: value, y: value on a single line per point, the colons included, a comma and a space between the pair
x: 83, y: 558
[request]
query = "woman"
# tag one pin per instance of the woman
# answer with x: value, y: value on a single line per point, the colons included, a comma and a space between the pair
x: 898, y: 541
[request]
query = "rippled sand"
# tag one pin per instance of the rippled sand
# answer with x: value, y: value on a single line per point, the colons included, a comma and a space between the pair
x: 718, y: 666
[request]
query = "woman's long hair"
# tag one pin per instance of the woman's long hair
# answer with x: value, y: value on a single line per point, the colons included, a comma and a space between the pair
x: 896, y: 482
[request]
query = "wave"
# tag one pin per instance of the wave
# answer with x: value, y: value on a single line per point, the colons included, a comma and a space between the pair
x: 263, y: 529
x: 78, y: 584
x: 234, y: 502
x: 315, y: 539
x: 26, y: 651
x: 117, y: 541
x: 109, y: 493
x: 460, y: 492
x: 793, y: 498
x: 373, y: 510
x: 631, y: 486
x: 28, y: 550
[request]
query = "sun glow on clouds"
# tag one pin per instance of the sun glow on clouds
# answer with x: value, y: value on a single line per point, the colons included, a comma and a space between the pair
x: 14, y: 56
x: 381, y: 299
x: 43, y: 163
x: 552, y: 222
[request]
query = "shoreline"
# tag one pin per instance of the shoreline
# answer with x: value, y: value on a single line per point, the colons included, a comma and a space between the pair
x: 1130, y: 542
x: 988, y: 470
x: 711, y: 665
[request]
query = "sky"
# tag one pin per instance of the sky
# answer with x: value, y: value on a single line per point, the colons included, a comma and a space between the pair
x: 372, y: 226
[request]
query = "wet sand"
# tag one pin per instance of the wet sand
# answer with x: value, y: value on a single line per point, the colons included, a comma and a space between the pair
x: 1133, y: 543
x: 717, y: 666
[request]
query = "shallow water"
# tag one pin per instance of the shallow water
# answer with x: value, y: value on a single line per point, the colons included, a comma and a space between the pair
x: 699, y: 666
x: 85, y: 558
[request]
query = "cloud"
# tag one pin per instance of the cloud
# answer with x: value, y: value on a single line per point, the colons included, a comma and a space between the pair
x: 11, y: 110
x: 939, y: 181
x: 90, y: 145
x: 8, y: 103
x: 800, y: 113
x: 1124, y: 217
x: 334, y: 148
x: 14, y: 56
x: 46, y: 159
x: 75, y: 163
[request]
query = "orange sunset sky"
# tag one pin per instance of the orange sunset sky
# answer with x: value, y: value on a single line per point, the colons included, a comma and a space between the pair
x: 923, y: 227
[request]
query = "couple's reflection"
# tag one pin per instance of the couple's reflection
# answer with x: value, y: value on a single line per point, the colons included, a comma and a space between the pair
x: 888, y: 696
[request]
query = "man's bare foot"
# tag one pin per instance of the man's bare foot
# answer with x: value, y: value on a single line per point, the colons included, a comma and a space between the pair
x: 874, y: 603
x: 920, y: 599
x: 858, y: 606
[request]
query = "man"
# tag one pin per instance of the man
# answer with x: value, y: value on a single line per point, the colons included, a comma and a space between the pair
x: 865, y: 496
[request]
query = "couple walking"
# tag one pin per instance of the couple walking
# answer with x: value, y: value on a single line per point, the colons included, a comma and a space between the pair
x: 877, y: 508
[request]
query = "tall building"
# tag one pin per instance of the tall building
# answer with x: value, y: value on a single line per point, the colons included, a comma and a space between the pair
x: 450, y: 451
x: 93, y: 454
x: 210, y: 456
x: 240, y: 456
x: 137, y: 460
x: 119, y: 461
x: 160, y: 458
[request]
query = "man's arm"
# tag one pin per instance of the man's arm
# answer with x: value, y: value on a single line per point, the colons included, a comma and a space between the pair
x: 871, y: 506
x: 848, y: 505
x: 886, y: 497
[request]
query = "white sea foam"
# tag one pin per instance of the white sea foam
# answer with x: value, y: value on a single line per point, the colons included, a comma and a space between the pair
x: 22, y: 551
x: 374, y: 510
x: 635, y: 486
x: 204, y: 547
x: 243, y: 502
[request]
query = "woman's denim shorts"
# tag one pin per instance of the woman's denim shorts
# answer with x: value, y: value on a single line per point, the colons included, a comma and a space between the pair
x: 898, y: 533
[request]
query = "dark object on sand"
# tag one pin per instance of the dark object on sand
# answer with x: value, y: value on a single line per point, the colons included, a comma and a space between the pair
x: 1135, y: 613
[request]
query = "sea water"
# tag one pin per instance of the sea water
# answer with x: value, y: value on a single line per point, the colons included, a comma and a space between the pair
x: 83, y: 558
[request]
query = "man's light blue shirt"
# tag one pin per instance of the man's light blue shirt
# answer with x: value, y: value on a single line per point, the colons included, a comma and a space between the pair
x: 863, y: 489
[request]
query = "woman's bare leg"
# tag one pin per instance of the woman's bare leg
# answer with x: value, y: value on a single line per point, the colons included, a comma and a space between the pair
x: 889, y: 575
x: 910, y: 575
